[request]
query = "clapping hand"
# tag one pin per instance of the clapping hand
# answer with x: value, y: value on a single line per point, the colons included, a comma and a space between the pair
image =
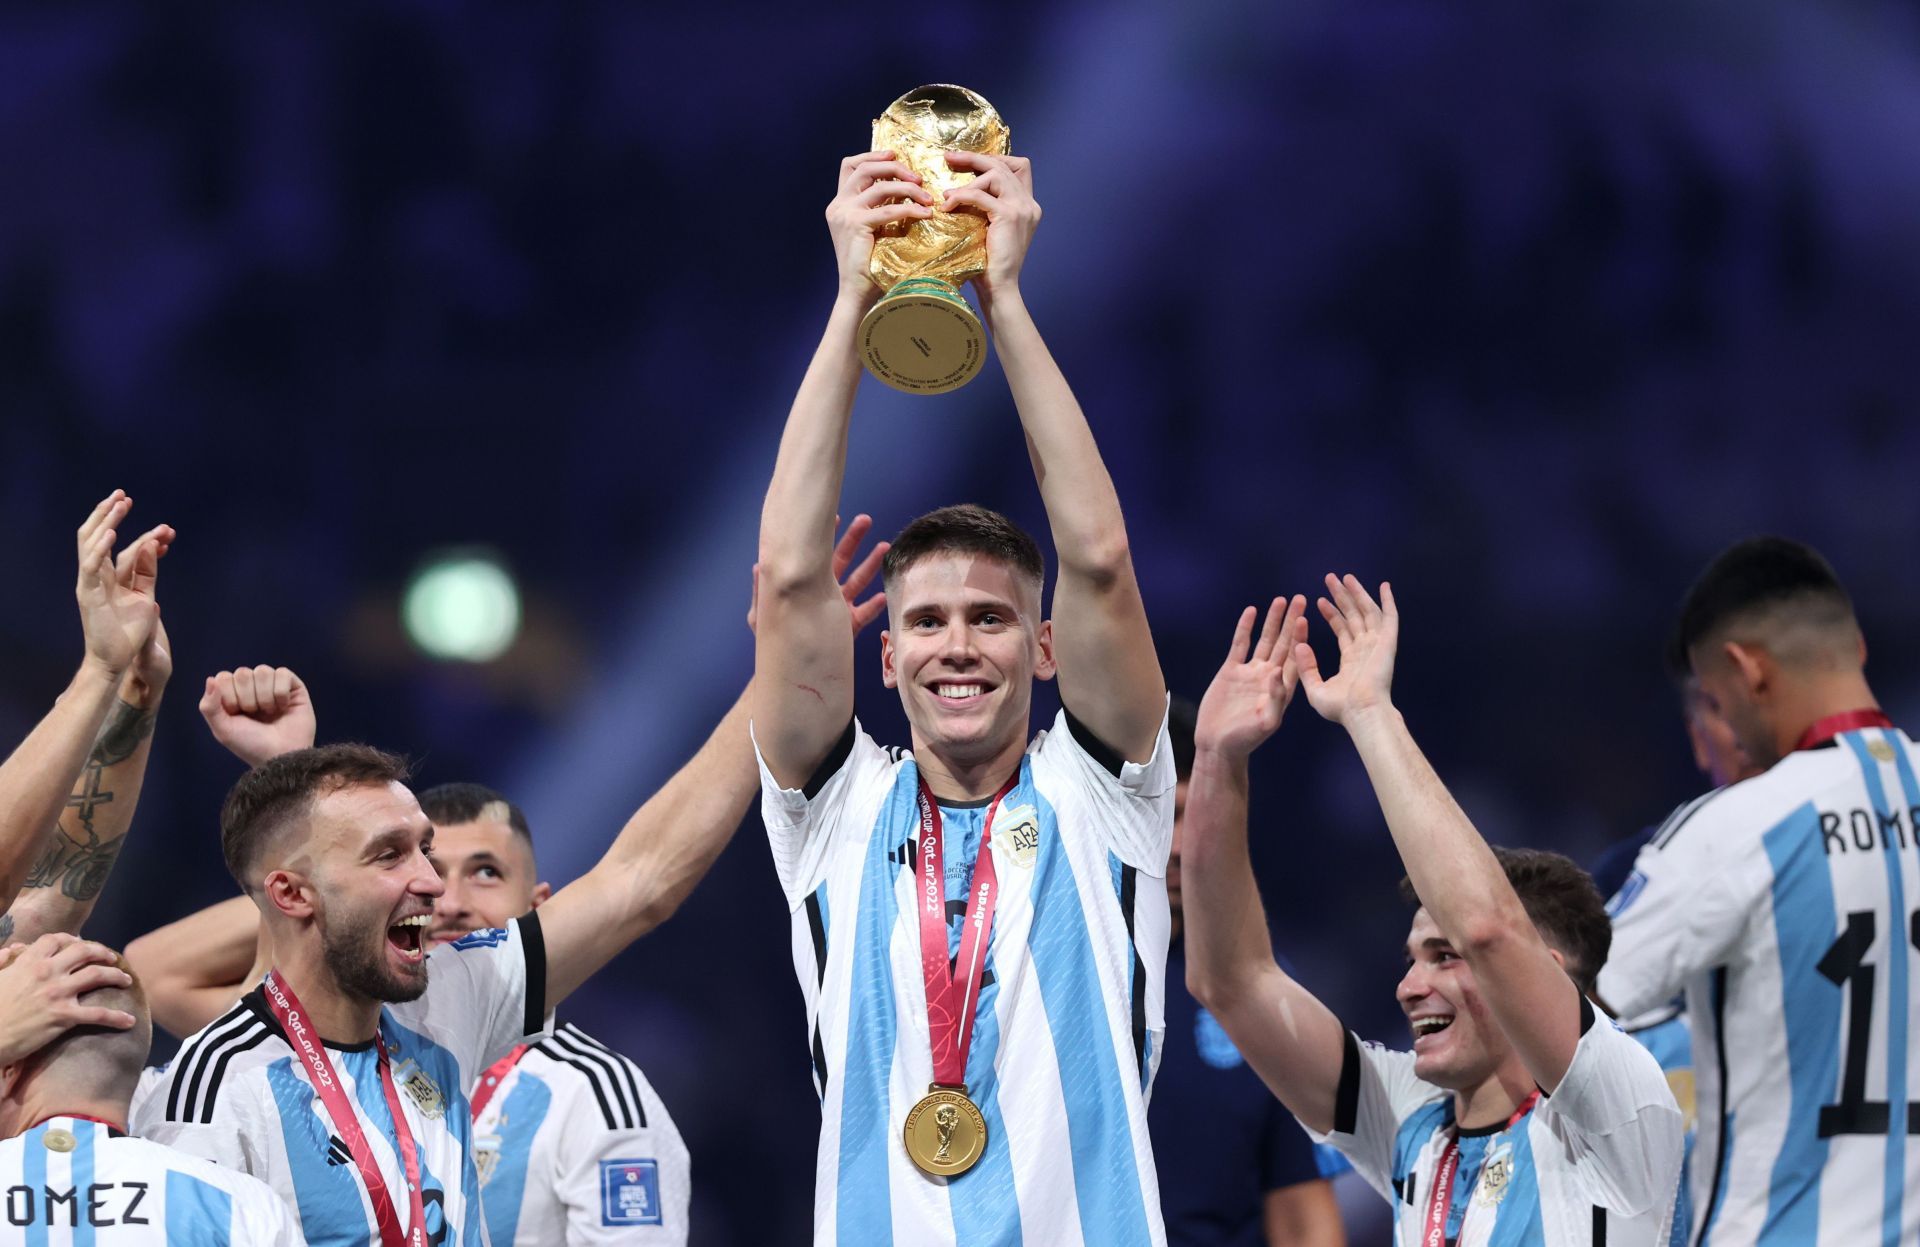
x: 1249, y: 694
x: 1368, y: 634
x: 119, y: 614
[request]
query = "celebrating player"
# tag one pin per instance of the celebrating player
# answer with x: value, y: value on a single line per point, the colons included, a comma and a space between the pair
x: 68, y: 791
x: 1235, y: 1167
x: 1519, y: 1116
x: 571, y: 1144
x: 67, y: 1162
x: 980, y: 923
x: 1783, y: 905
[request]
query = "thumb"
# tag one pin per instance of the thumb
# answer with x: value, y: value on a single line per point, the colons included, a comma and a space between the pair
x: 1309, y: 666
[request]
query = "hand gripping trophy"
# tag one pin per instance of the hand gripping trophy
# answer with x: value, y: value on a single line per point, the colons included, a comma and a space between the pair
x: 921, y: 336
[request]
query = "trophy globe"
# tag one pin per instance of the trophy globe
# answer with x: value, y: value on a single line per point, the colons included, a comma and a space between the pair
x: 922, y: 337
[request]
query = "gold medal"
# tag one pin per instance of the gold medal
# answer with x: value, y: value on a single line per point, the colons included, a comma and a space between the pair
x: 945, y: 1133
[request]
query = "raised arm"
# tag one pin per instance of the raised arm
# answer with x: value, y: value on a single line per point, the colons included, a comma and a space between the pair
x: 194, y: 969
x: 1454, y: 872
x: 1109, y: 674
x: 670, y: 842
x: 1292, y: 1041
x: 803, y: 657
x: 52, y: 833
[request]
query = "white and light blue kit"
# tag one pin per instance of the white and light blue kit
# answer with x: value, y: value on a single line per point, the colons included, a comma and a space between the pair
x: 236, y: 1095
x: 574, y: 1147
x: 1785, y: 906
x: 1595, y: 1164
x: 73, y: 1182
x: 1069, y: 1017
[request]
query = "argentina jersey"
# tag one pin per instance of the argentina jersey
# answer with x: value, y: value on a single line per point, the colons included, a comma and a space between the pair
x: 1595, y: 1164
x: 1786, y: 907
x: 236, y: 1095
x: 573, y: 1147
x: 1069, y: 1016
x: 74, y: 1182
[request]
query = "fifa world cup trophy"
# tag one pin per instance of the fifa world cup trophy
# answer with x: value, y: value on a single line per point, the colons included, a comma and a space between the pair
x: 921, y: 336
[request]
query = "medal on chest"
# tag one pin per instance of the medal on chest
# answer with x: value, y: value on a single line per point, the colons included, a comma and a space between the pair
x: 945, y: 1133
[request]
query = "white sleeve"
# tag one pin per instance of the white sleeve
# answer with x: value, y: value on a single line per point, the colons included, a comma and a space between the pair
x: 260, y: 1216
x: 1684, y: 907
x: 803, y: 823
x: 625, y: 1185
x: 1131, y: 803
x: 488, y: 992
x: 1378, y: 1091
x: 224, y: 1140
x: 1619, y: 1120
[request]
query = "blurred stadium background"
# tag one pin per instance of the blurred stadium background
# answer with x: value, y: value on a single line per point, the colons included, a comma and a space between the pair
x: 1527, y: 308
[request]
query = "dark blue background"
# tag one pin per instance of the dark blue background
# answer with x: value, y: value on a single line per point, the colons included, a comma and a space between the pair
x: 1528, y: 308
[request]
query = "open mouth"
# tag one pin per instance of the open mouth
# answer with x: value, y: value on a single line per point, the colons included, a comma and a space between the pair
x: 408, y: 937
x: 1425, y: 1026
x: 956, y: 691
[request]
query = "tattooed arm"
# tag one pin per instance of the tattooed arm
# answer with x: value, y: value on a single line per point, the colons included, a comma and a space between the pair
x: 121, y: 623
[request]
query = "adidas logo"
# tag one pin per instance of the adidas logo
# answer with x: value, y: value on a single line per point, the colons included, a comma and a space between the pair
x: 337, y: 1153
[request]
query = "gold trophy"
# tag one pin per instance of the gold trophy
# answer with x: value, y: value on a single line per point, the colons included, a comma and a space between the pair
x: 921, y: 336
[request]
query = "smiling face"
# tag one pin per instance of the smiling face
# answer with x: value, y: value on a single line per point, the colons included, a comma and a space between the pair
x: 1456, y: 1042
x: 488, y: 874
x: 368, y: 860
x: 964, y: 646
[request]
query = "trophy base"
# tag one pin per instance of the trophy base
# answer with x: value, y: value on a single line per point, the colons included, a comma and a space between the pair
x: 921, y: 337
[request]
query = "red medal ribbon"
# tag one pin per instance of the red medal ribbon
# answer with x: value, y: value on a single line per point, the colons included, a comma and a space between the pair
x: 1440, y: 1201
x: 952, y: 987
x: 292, y: 1019
x: 1824, y: 730
x: 491, y: 1080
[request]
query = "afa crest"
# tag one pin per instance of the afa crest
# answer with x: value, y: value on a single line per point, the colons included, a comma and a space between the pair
x: 1495, y: 1178
x: 486, y: 1155
x: 1019, y: 829
x: 421, y: 1090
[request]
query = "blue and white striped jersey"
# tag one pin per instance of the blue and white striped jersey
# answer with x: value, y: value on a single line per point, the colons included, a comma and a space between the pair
x: 574, y: 1148
x: 1068, y: 1023
x: 1595, y: 1164
x: 1667, y: 1036
x: 237, y: 1096
x: 1786, y: 907
x: 72, y: 1182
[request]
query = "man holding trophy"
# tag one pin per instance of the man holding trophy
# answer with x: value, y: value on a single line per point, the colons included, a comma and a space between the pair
x: 980, y: 922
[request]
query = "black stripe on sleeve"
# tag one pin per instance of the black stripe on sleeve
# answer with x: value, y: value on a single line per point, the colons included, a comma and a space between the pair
x: 1346, y: 1099
x: 1127, y: 889
x: 584, y: 1056
x: 629, y: 1072
x: 1719, y: 994
x: 547, y: 1049
x: 817, y: 927
x: 534, y: 943
x: 220, y: 1071
x: 192, y: 1066
x: 1099, y: 750
x: 1586, y: 1015
x: 1684, y: 815
x: 1599, y: 1226
x: 830, y: 765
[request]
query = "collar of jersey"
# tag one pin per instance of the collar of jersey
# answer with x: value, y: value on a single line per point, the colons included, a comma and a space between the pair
x: 256, y: 1000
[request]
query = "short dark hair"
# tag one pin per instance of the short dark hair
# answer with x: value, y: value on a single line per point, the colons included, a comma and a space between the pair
x: 1565, y: 907
x: 964, y: 529
x: 1752, y: 576
x: 1181, y: 717
x: 449, y: 804
x: 276, y: 792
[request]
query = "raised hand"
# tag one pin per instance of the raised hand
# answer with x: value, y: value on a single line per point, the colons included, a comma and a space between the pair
x: 118, y: 611
x: 42, y: 983
x: 1001, y: 191
x: 1368, y: 634
x: 1250, y: 692
x: 876, y: 191
x: 259, y: 712
x: 852, y: 583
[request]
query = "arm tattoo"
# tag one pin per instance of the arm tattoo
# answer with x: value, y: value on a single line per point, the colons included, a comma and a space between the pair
x: 6, y: 928
x: 80, y: 864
